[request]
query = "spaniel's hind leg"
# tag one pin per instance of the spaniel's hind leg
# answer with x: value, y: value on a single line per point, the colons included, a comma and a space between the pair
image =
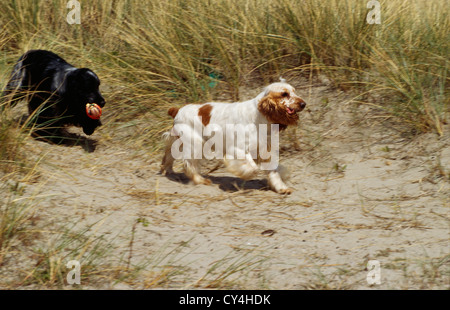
x: 168, y: 159
x: 192, y: 170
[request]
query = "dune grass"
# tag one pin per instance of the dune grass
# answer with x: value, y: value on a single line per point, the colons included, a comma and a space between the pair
x: 155, y: 54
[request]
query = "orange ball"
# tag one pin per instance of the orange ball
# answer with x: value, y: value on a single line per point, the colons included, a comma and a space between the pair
x: 93, y: 111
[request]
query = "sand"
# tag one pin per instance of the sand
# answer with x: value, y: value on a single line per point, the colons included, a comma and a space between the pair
x: 364, y: 189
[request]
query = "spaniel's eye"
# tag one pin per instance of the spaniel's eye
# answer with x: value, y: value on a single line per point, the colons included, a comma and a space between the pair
x: 285, y: 94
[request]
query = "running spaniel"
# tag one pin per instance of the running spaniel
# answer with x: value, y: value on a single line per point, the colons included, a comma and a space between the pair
x: 248, y: 125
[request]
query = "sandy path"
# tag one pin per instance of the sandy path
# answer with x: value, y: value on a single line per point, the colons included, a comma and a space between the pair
x: 362, y: 192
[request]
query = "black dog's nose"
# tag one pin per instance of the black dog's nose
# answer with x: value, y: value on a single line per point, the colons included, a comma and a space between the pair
x: 101, y: 102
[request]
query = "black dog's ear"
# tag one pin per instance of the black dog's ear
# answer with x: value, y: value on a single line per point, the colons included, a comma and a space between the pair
x: 86, y: 72
x: 72, y: 77
x: 80, y: 78
x: 81, y: 74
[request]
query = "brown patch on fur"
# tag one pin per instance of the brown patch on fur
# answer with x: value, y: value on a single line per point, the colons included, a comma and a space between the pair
x: 205, y: 113
x: 173, y: 112
x: 275, y: 112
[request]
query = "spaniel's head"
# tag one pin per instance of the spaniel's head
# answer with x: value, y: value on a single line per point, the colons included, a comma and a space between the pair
x: 280, y: 104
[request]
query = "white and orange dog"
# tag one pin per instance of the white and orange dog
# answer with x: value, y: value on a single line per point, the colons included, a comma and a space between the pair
x: 244, y: 134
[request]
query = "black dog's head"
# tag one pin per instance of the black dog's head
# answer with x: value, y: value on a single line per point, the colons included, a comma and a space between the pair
x: 82, y: 87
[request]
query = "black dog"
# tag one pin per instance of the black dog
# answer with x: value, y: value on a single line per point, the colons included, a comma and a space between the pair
x: 57, y: 91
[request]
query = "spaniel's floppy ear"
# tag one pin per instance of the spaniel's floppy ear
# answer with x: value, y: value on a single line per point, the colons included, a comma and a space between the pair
x: 267, y: 106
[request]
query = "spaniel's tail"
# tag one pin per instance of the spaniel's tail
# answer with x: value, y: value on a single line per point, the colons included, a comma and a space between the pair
x: 173, y: 112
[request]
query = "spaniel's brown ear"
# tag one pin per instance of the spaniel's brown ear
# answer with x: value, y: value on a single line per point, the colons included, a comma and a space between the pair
x: 173, y: 112
x: 267, y: 107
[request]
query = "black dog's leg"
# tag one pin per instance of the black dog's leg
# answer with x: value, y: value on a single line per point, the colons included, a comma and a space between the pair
x: 44, y: 121
x: 89, y: 127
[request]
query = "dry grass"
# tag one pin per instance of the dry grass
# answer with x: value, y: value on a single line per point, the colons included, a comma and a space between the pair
x: 154, y: 55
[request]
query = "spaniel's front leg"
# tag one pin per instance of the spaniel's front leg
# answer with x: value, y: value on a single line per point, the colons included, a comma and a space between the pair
x: 276, y: 182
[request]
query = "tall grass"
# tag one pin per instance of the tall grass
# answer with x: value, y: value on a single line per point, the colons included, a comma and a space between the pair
x: 12, y: 140
x: 152, y: 54
x: 14, y: 216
